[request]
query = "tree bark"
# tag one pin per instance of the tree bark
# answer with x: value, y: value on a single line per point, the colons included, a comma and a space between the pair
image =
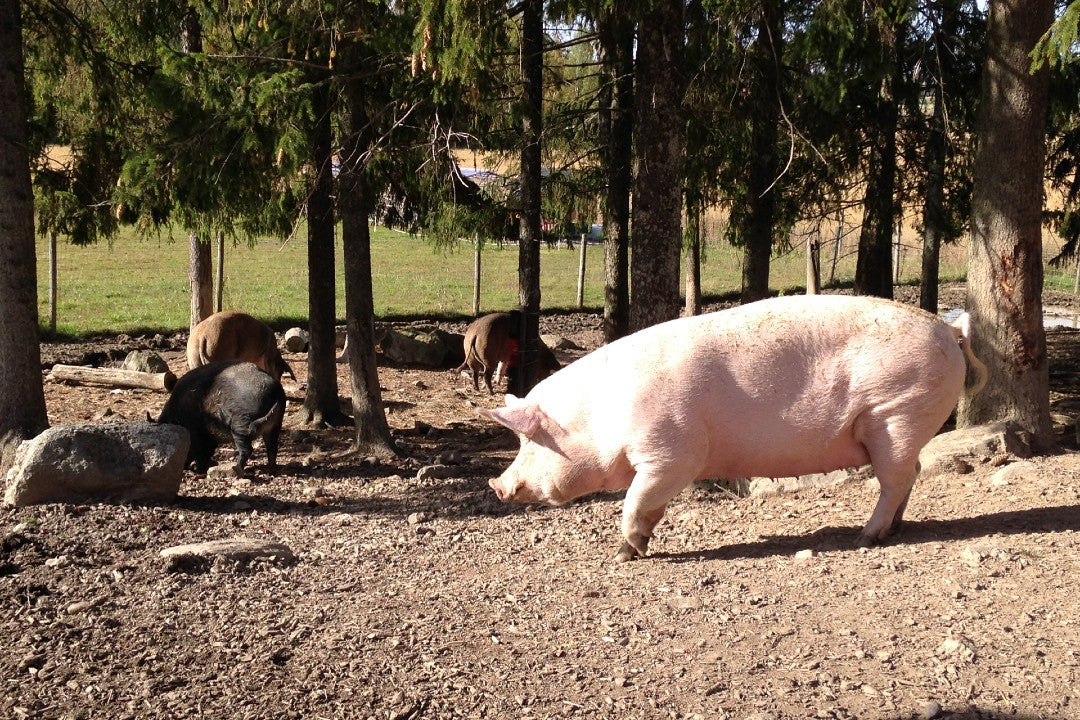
x: 616, y: 141
x: 874, y: 266
x: 219, y: 276
x: 199, y: 273
x: 372, y: 431
x: 764, y: 165
x: 944, y: 16
x: 532, y: 65
x: 199, y: 265
x: 693, y: 260
x: 1005, y: 271
x: 321, y: 403
x: 22, y: 399
x: 658, y: 145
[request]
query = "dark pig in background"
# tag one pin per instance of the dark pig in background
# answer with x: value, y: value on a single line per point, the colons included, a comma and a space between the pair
x: 780, y: 387
x: 232, y: 335
x: 227, y: 400
x: 491, y: 341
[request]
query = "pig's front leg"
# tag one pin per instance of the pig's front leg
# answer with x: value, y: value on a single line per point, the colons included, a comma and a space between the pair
x: 646, y: 500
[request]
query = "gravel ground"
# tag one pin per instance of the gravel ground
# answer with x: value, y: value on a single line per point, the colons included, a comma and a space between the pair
x: 415, y: 594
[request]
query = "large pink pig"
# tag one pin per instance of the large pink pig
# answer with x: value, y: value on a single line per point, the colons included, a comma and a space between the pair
x: 776, y: 388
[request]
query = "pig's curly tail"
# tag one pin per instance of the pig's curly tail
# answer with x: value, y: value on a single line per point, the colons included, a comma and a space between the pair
x: 962, y: 327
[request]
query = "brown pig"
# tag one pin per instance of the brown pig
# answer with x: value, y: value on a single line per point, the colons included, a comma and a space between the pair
x: 232, y: 335
x: 780, y: 387
x: 491, y: 341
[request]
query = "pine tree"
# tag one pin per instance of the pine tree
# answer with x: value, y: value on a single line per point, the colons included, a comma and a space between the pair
x: 22, y: 400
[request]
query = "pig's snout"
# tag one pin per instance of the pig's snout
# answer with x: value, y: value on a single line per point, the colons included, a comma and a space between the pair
x: 521, y: 492
x: 501, y: 492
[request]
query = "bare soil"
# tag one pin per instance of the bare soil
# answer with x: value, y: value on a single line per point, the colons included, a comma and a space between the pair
x: 418, y: 595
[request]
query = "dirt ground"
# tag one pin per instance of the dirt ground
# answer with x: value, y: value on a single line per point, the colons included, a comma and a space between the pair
x: 418, y: 595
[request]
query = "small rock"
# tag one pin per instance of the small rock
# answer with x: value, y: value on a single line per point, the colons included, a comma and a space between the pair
x: 104, y: 413
x: 222, y: 471
x: 957, y: 646
x: 805, y: 555
x: 417, y: 517
x: 32, y: 662
x: 59, y: 561
x: 450, y: 457
x: 931, y: 709
x: 434, y: 472
x: 1014, y: 473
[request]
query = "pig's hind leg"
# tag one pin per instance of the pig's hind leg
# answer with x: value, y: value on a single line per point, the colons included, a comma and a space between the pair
x: 896, y: 479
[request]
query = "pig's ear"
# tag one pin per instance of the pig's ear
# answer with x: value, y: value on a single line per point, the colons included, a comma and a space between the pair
x: 523, y: 419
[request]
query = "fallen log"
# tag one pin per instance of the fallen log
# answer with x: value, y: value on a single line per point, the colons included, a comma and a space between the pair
x: 113, y: 377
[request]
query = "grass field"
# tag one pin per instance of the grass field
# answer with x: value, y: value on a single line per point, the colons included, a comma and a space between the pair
x: 139, y: 284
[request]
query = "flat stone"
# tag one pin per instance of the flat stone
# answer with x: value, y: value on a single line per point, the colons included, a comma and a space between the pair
x: 199, y: 556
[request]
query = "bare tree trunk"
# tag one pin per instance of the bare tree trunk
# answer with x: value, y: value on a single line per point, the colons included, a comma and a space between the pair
x: 581, y: 271
x: 532, y: 65
x: 199, y: 279
x: 813, y: 265
x: 321, y: 403
x: 219, y: 276
x: 22, y: 400
x: 199, y: 265
x: 54, y: 290
x: 658, y: 144
x: 1005, y: 271
x: 692, y: 261
x: 616, y: 139
x: 477, y: 254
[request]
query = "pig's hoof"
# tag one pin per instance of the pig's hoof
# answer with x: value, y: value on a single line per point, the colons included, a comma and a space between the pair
x: 634, y: 547
x: 626, y: 553
x: 866, y: 540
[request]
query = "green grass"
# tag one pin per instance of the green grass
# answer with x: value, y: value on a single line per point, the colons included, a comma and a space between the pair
x: 139, y: 284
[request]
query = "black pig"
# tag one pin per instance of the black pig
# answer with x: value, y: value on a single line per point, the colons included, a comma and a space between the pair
x: 223, y: 400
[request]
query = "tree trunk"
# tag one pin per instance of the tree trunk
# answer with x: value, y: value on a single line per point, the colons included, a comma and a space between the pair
x: 1005, y: 271
x: 199, y: 272
x: 22, y: 400
x: 477, y: 258
x: 761, y: 183
x: 813, y: 265
x: 321, y: 403
x: 582, y: 251
x: 199, y: 265
x: 692, y: 260
x: 54, y: 290
x: 616, y: 141
x: 658, y: 147
x: 372, y: 432
x: 532, y: 65
x: 873, y: 268
x: 219, y: 276
x: 944, y: 14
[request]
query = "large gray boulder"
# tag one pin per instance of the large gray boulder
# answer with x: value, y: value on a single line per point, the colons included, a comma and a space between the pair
x: 124, y: 461
x: 406, y: 346
x: 146, y: 361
